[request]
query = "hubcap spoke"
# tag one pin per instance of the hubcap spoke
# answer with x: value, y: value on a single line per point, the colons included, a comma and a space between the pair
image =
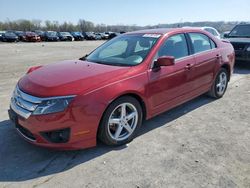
x: 130, y: 116
x: 118, y: 131
x: 128, y: 128
x: 123, y: 110
x: 114, y: 121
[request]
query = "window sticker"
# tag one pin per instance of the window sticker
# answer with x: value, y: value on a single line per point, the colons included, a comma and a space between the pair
x: 152, y: 35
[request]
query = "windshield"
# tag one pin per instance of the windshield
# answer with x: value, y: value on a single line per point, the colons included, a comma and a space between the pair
x: 10, y: 34
x: 52, y: 33
x: 64, y: 33
x: 76, y: 33
x: 240, y: 31
x: 126, y: 50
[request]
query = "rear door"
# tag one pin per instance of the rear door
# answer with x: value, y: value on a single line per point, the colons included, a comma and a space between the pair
x: 206, y: 57
x: 168, y: 85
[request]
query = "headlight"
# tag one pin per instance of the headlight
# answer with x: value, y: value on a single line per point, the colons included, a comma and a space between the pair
x: 248, y: 49
x: 52, y: 105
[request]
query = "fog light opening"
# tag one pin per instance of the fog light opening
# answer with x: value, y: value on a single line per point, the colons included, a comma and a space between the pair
x: 58, y: 136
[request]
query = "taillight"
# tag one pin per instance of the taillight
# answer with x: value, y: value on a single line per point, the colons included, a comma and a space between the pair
x: 31, y: 69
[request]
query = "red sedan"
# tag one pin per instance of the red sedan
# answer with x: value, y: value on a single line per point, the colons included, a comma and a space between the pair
x: 107, y: 94
x: 32, y: 37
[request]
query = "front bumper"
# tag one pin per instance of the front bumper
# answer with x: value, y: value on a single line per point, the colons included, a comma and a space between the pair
x: 44, y: 130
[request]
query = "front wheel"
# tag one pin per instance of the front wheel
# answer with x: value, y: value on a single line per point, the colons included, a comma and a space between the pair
x: 220, y: 84
x: 120, y: 121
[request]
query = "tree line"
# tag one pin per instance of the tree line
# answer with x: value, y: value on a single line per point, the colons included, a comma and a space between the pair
x: 83, y: 25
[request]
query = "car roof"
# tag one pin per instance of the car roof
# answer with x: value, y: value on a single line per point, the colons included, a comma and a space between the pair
x: 244, y: 24
x: 164, y: 31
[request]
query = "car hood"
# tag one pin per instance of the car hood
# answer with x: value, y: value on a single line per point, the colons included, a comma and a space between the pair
x: 239, y: 40
x: 70, y: 78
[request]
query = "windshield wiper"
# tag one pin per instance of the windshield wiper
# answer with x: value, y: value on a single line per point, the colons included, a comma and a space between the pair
x: 83, y: 58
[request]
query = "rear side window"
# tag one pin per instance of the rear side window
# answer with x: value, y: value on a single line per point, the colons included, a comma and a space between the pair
x: 174, y: 46
x: 200, y: 42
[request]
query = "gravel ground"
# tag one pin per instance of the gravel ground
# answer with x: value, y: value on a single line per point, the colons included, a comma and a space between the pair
x: 202, y: 143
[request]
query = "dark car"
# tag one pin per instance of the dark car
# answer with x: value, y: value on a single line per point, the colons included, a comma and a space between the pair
x: 240, y: 39
x: 41, y: 34
x: 32, y: 37
x: 1, y: 35
x: 21, y: 35
x: 113, y: 35
x: 9, y: 37
x: 51, y: 36
x: 65, y: 36
x: 77, y: 36
x: 89, y: 35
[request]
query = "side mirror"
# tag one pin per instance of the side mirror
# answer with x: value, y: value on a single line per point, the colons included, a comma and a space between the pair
x: 226, y: 35
x: 165, y: 61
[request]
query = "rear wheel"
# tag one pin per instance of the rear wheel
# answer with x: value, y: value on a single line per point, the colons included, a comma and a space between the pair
x: 120, y: 121
x: 220, y: 84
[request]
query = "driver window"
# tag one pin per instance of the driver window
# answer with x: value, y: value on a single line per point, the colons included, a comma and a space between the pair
x: 174, y: 46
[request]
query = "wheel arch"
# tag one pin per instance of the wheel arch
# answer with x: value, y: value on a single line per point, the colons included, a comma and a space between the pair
x: 227, y: 67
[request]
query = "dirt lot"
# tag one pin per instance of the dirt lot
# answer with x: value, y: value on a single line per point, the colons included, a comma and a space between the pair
x: 203, y: 143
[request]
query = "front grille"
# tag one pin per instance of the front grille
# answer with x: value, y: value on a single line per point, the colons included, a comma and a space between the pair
x: 239, y: 46
x: 23, y: 104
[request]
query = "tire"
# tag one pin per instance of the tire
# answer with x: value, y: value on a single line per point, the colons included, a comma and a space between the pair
x: 219, y: 86
x: 122, y: 130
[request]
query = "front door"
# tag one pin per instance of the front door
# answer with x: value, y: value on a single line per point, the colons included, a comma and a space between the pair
x: 168, y: 85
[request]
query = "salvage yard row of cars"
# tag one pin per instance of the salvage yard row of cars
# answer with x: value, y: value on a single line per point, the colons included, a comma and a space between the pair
x: 38, y: 36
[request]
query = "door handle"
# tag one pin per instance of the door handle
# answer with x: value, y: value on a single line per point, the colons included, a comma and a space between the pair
x: 189, y: 66
x: 218, y: 56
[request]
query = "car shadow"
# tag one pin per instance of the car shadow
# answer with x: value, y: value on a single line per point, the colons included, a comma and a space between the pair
x: 20, y: 161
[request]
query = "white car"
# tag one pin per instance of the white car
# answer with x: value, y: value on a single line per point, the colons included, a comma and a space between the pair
x: 211, y: 30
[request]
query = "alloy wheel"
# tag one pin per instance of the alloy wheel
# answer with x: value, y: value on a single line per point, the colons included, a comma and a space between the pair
x: 122, y: 121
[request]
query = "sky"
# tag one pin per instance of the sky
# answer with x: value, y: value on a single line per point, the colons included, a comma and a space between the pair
x: 126, y: 12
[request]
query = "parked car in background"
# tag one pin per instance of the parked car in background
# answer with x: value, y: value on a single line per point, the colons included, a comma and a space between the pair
x: 65, y: 36
x: 51, y: 36
x: 113, y: 35
x: 105, y: 36
x: 107, y: 94
x: 98, y: 36
x: 240, y: 39
x: 89, y: 35
x: 32, y: 37
x: 77, y: 36
x: 9, y: 37
x: 211, y: 30
x: 21, y: 35
x: 222, y: 35
x: 1, y: 35
x: 41, y: 34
